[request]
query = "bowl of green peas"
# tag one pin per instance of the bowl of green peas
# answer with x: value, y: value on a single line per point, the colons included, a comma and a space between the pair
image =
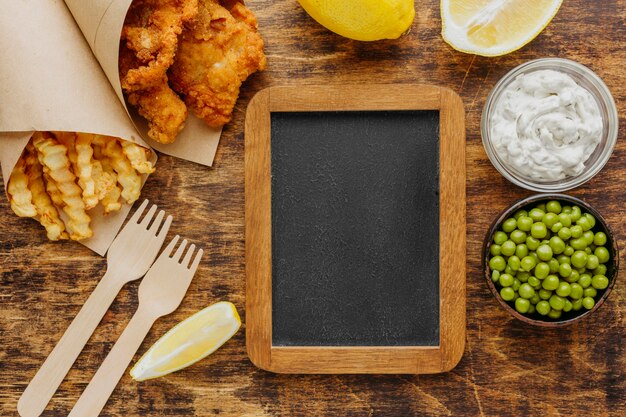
x: 550, y: 260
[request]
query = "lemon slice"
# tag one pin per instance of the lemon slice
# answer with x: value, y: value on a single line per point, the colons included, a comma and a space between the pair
x: 494, y: 27
x: 363, y: 20
x: 189, y: 341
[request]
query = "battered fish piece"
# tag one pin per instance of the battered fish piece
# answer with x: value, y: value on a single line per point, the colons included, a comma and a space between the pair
x: 216, y: 53
x: 147, y: 49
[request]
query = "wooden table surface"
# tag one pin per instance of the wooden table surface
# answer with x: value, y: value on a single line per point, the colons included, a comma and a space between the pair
x: 508, y: 368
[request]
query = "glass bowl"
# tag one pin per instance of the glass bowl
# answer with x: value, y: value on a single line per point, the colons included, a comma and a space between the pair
x: 601, y: 226
x: 596, y: 161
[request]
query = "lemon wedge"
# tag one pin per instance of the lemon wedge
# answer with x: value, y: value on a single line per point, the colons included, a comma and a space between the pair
x: 189, y: 341
x: 363, y: 20
x: 494, y: 27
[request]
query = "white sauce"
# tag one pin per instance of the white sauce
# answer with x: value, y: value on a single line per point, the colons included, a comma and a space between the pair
x: 545, y: 125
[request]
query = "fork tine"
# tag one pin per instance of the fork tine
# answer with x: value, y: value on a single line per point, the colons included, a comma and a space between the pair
x: 140, y: 209
x: 179, y: 251
x: 166, y: 227
x: 168, y: 250
x: 187, y: 258
x: 196, y: 261
x: 157, y: 222
x: 146, y: 220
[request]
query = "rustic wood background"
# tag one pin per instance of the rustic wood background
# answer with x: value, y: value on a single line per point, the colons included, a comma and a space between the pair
x: 508, y: 368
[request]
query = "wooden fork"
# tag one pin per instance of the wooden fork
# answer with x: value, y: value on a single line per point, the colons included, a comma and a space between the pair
x: 129, y: 257
x: 160, y: 293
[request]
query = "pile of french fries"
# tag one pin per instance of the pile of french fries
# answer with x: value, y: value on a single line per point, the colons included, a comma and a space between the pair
x: 75, y: 172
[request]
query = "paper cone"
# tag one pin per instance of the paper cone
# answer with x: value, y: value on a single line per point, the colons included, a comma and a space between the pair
x: 51, y: 81
x: 101, y: 22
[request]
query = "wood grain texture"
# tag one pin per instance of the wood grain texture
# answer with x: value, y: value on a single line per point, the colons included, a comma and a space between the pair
x: 508, y: 368
x: 348, y: 359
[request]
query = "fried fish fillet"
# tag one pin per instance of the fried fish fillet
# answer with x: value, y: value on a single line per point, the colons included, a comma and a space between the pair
x: 147, y: 49
x: 217, y: 52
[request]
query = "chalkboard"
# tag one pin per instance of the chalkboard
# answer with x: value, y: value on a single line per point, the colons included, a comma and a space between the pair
x: 355, y: 229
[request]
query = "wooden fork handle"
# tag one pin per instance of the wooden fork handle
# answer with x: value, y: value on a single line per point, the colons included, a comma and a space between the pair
x: 101, y: 386
x: 47, y: 380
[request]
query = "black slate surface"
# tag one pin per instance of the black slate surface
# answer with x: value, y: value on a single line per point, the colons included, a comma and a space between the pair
x: 355, y: 226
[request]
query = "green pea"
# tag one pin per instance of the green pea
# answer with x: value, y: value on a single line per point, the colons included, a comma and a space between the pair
x: 582, y: 222
x: 574, y: 276
x: 565, y: 270
x: 577, y: 304
x: 579, y: 259
x: 550, y: 283
x: 553, y: 206
x: 554, y: 265
x: 538, y: 230
x: 514, y: 262
x: 500, y: 237
x: 531, y: 309
x: 522, y: 276
x: 532, y: 243
x: 528, y: 263
x: 506, y: 280
x: 536, y: 214
x: 576, y: 231
x: 509, y: 225
x: 599, y: 239
x: 516, y: 284
x: 590, y: 292
x: 592, y: 262
x: 509, y: 271
x: 588, y: 236
x: 497, y: 263
x: 563, y: 259
x: 524, y: 223
x: 534, y: 299
x: 566, y: 209
x: 588, y: 303
x: 534, y: 282
x: 569, y: 251
x: 568, y: 306
x: 543, y: 307
x: 557, y: 245
x: 578, y: 244
x: 522, y: 305
x: 565, y: 233
x: 521, y: 250
x: 592, y: 220
x: 584, y: 280
x: 549, y: 219
x: 576, y: 213
x: 556, y: 227
x: 602, y: 253
x: 544, y: 294
x: 544, y: 252
x: 508, y: 248
x: 494, y: 250
x: 576, y: 291
x: 495, y: 276
x: 564, y: 289
x: 507, y: 293
x: 588, y: 250
x: 599, y: 282
x: 542, y: 207
x: 600, y: 270
x: 518, y: 236
x: 556, y: 302
x: 520, y: 213
x: 565, y: 219
x: 554, y: 314
x: 526, y: 291
x: 542, y: 270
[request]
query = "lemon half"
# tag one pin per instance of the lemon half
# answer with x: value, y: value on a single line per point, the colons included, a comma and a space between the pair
x: 189, y: 341
x: 494, y: 27
x: 363, y: 20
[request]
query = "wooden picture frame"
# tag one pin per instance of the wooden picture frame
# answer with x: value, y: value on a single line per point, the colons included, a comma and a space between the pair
x: 258, y: 233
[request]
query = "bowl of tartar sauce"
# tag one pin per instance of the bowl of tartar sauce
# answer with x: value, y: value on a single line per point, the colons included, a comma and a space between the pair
x: 549, y: 125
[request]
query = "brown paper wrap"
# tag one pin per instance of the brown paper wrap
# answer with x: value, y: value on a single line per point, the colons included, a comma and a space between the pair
x: 49, y: 80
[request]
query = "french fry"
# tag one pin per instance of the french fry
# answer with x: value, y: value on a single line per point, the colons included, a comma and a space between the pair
x: 19, y: 195
x: 126, y: 174
x: 53, y: 156
x: 138, y: 157
x: 79, y: 152
x: 53, y: 190
x: 106, y: 181
x: 48, y: 215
